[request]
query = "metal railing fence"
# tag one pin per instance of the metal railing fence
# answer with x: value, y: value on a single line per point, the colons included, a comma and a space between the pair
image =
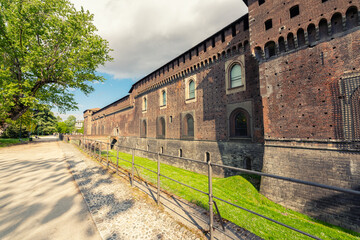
x: 94, y: 147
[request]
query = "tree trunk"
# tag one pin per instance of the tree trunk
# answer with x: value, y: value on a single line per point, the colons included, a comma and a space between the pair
x: 15, y: 113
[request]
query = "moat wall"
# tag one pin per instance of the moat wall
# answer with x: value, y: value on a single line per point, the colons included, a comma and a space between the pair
x: 246, y: 155
x: 316, y: 162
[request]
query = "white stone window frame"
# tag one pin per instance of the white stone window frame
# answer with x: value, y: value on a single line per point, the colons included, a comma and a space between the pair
x: 228, y: 66
x: 161, y: 98
x: 144, y: 108
x: 187, y: 93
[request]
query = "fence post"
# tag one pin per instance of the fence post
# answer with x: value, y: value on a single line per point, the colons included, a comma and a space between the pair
x: 132, y: 167
x: 211, y: 213
x: 158, y: 178
x: 117, y: 160
x: 107, y: 154
x: 99, y: 151
x: 94, y: 155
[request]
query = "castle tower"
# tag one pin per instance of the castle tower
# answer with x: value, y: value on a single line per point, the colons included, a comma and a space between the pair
x: 309, y: 65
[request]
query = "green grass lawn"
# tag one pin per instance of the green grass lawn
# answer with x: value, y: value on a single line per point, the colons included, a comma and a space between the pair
x: 238, y: 190
x: 5, y: 142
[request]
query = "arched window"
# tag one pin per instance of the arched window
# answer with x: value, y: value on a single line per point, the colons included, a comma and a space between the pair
x: 291, y: 41
x: 352, y: 18
x: 161, y: 127
x: 270, y: 49
x: 235, y: 76
x: 191, y: 89
x: 311, y: 30
x: 258, y: 53
x: 246, y: 45
x: 240, y: 47
x: 323, y: 29
x: 163, y: 95
x: 336, y: 23
x: 143, y: 128
x: 282, y: 44
x: 301, y: 37
x: 239, y: 123
x: 188, y: 126
x: 144, y: 104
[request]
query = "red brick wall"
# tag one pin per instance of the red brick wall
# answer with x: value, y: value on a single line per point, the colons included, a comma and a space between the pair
x: 209, y: 109
x: 311, y: 12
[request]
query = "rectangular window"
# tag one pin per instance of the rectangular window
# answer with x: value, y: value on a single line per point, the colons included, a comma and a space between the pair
x: 268, y: 24
x: 294, y: 11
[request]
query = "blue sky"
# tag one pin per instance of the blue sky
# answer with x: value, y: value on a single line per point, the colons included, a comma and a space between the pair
x: 146, y: 35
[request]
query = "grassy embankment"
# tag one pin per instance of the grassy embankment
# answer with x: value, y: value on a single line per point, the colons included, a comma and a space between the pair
x: 5, y: 142
x: 238, y: 190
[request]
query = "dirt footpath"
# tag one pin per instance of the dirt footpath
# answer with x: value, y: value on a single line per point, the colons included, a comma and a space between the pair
x: 38, y: 196
x: 42, y: 190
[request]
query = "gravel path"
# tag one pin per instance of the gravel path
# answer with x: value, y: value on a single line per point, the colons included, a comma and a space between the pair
x: 119, y: 211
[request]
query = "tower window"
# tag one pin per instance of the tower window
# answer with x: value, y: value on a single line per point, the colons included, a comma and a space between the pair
x: 239, y: 123
x: 235, y: 76
x: 191, y: 89
x: 144, y: 104
x: 163, y: 98
x: 268, y: 24
x: 294, y: 11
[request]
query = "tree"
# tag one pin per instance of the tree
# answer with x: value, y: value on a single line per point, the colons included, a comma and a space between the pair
x: 47, y: 48
x: 40, y: 121
x: 45, y: 122
x: 70, y: 123
x: 61, y: 127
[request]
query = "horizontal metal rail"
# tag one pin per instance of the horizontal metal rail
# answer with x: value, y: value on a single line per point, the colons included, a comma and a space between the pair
x: 339, y: 189
x: 182, y: 158
x: 184, y: 184
x: 267, y: 218
x: 145, y: 168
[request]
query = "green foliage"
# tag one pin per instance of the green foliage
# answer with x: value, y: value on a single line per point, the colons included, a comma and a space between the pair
x: 13, y: 131
x: 45, y: 122
x: 47, y: 49
x: 67, y: 126
x: 81, y: 130
x: 61, y: 127
x: 42, y: 122
x: 70, y: 123
x: 238, y: 190
x: 5, y: 142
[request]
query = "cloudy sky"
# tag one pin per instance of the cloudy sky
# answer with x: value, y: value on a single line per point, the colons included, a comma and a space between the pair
x: 146, y: 34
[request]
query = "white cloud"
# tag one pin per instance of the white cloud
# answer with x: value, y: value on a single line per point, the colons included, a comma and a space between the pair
x: 146, y: 34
